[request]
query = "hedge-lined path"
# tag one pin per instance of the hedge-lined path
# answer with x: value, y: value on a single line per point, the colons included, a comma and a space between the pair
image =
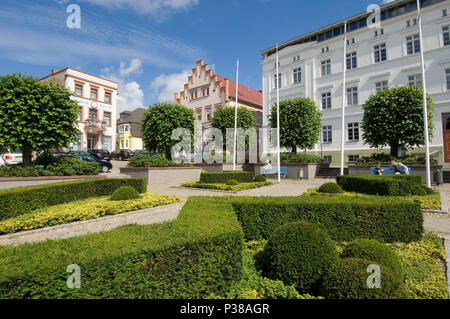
x: 143, y: 217
x: 437, y: 223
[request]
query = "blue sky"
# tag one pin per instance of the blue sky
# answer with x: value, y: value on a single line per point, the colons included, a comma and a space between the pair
x: 149, y: 46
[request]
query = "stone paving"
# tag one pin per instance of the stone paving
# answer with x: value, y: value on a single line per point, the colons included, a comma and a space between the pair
x: 438, y: 223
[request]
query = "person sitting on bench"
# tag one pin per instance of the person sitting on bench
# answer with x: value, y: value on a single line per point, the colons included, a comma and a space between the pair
x: 267, y: 166
x: 378, y: 170
x: 400, y: 168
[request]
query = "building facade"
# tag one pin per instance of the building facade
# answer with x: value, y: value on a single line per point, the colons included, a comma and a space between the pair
x: 377, y: 58
x: 97, y: 99
x: 206, y: 92
x: 129, y: 135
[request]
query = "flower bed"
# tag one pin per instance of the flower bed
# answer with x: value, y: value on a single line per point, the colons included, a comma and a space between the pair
x: 225, y: 187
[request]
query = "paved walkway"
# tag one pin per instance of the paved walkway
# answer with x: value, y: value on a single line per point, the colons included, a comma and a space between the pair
x: 439, y: 224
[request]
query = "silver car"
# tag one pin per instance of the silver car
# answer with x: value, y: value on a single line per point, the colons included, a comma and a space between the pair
x: 2, y: 162
x: 12, y: 158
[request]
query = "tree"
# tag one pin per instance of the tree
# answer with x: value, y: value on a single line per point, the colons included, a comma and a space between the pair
x: 35, y: 116
x: 159, y: 121
x: 394, y: 117
x: 223, y: 119
x: 300, y: 123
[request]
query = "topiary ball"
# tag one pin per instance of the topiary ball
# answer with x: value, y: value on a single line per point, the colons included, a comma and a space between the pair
x: 299, y: 254
x: 349, y: 278
x: 260, y: 179
x: 330, y: 188
x: 125, y: 193
x: 374, y: 250
x: 232, y: 182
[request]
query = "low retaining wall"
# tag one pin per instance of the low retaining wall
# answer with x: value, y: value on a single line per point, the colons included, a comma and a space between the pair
x: 164, y: 175
x: 218, y: 168
x: 310, y: 171
x: 415, y: 169
x: 47, y: 178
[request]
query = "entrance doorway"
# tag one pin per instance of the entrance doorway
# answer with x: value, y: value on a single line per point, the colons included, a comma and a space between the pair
x: 446, y: 136
x: 92, y: 141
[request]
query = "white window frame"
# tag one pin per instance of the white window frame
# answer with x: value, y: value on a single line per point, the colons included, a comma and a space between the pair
x: 413, y: 42
x: 378, y: 52
x: 325, y: 66
x: 447, y: 78
x: 355, y: 158
x: 326, y: 99
x: 446, y: 35
x: 351, y: 60
x: 352, y: 131
x: 328, y: 130
x: 297, y: 76
x: 352, y: 92
x: 280, y: 81
x: 415, y: 79
x: 381, y: 85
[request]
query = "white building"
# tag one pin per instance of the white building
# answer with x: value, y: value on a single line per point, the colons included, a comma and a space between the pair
x: 97, y: 98
x: 312, y: 66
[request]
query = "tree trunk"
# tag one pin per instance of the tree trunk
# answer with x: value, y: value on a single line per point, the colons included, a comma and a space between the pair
x: 26, y: 157
x: 294, y: 149
x: 394, y: 150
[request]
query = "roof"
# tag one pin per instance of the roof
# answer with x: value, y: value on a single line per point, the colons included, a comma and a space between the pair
x: 69, y: 68
x: 133, y: 117
x: 245, y: 94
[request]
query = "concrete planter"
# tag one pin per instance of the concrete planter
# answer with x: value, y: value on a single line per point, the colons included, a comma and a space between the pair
x: 218, y: 168
x: 310, y: 171
x: 415, y: 169
x: 164, y: 175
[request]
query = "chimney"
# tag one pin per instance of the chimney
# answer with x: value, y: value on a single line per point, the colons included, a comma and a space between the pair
x: 54, y: 71
x: 176, y: 98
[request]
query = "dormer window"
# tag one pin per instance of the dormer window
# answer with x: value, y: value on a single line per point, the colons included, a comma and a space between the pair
x: 444, y: 12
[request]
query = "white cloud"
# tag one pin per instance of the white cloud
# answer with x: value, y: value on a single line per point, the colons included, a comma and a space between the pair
x: 134, y: 68
x: 165, y: 86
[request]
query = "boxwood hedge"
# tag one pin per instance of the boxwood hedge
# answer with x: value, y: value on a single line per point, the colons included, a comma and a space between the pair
x: 195, y: 256
x: 395, y: 185
x: 345, y: 219
x: 224, y: 177
x: 22, y: 200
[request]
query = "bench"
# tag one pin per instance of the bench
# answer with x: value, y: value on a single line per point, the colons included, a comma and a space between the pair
x: 274, y: 170
x: 386, y: 171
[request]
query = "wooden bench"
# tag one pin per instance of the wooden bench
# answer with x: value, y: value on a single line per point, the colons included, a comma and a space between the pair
x: 274, y: 170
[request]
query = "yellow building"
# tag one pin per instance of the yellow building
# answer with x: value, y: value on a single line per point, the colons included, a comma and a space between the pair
x: 128, y: 131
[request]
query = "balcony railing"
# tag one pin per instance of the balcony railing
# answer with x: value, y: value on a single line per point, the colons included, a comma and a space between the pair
x: 96, y: 125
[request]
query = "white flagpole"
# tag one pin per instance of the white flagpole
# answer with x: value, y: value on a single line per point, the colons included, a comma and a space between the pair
x: 278, y: 118
x: 344, y: 91
x: 424, y: 94
x: 236, y: 115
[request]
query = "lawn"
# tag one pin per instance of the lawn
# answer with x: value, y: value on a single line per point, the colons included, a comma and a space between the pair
x: 228, y: 188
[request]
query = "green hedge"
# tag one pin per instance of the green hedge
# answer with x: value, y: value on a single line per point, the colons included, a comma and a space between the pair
x: 224, y: 177
x: 22, y: 200
x: 195, y: 256
x: 395, y: 185
x: 344, y: 218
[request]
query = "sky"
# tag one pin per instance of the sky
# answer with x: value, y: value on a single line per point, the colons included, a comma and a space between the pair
x: 149, y: 47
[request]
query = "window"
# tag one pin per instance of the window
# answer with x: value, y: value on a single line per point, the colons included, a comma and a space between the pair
x: 327, y: 134
x: 192, y: 94
x: 353, y: 132
x: 351, y: 61
x: 207, y: 91
x: 92, y: 114
x: 352, y: 96
x: 279, y: 81
x: 107, y: 118
x: 208, y: 114
x: 353, y: 158
x: 378, y: 32
x: 80, y: 114
x: 107, y: 97
x: 298, y: 76
x: 126, y: 130
x: 195, y: 93
x: 78, y: 89
x: 447, y: 73
x: 259, y: 119
x: 413, y: 44
x: 94, y: 94
x: 444, y: 12
x: 198, y: 114
x: 326, y: 101
x: 415, y: 80
x: 446, y: 35
x: 380, y: 52
x: 381, y: 86
x: 326, y: 67
x: 327, y: 158
x: 106, y: 143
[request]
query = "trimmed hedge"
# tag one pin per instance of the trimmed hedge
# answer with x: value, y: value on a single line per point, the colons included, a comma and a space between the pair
x: 344, y: 218
x: 124, y: 193
x: 395, y: 185
x: 228, y: 188
x: 195, y: 256
x: 224, y: 177
x: 22, y: 200
x: 330, y: 188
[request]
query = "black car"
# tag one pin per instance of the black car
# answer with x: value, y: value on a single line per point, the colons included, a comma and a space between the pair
x: 122, y: 155
x: 102, y: 155
x: 104, y: 165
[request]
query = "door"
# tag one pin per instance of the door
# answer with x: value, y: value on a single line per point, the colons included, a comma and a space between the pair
x: 446, y: 136
x: 92, y: 142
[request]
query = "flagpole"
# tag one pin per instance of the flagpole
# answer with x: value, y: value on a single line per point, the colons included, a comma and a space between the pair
x: 424, y: 96
x: 278, y: 118
x: 236, y: 115
x: 344, y: 90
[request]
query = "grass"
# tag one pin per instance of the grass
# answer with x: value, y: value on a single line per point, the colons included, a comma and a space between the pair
x: 81, y: 210
x: 228, y: 188
x: 432, y: 201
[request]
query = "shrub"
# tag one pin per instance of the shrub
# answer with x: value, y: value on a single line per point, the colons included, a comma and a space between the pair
x: 298, y: 254
x: 45, y: 159
x: 345, y: 218
x: 125, y: 193
x: 396, y: 185
x: 224, y: 187
x: 385, y: 159
x: 86, y: 209
x: 330, y: 188
x: 299, y: 158
x: 22, y: 200
x: 195, y: 256
x: 232, y: 182
x: 224, y: 177
x: 260, y: 179
x: 347, y: 279
x: 154, y: 161
x: 374, y: 250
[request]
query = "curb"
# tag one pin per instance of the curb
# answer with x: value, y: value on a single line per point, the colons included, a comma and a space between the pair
x: 105, y: 223
x: 444, y: 206
x: 48, y: 178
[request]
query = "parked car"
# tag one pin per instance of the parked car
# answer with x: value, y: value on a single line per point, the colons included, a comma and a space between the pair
x: 12, y: 158
x: 77, y: 153
x: 59, y: 153
x: 122, y: 155
x: 103, y: 155
x: 2, y: 162
x: 144, y: 152
x: 105, y: 166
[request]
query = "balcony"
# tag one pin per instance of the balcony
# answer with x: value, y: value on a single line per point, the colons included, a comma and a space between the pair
x: 95, y: 126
